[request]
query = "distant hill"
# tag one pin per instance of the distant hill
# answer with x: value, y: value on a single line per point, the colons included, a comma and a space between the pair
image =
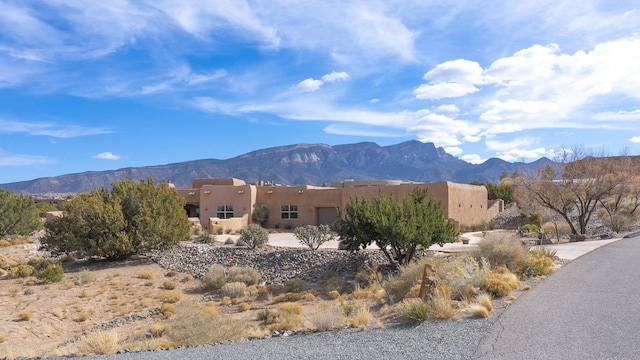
x: 299, y: 164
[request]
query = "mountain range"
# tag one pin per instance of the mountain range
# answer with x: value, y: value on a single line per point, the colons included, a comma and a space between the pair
x: 300, y: 164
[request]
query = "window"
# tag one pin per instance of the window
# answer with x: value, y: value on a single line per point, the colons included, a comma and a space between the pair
x: 288, y: 211
x: 224, y: 211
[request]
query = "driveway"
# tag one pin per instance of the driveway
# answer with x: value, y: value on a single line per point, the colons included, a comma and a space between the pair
x: 588, y: 310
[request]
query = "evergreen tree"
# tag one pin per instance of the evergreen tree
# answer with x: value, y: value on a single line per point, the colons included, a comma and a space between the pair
x: 18, y: 214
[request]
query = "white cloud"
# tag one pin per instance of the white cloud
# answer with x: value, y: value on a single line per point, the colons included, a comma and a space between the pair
x: 106, y: 156
x: 311, y: 84
x: 22, y: 160
x: 453, y: 150
x: 53, y: 130
x: 523, y: 154
x: 450, y: 108
x: 351, y: 130
x: 457, y: 71
x: 444, y: 91
x: 473, y: 158
x: 635, y: 139
x: 495, y: 145
x: 335, y: 76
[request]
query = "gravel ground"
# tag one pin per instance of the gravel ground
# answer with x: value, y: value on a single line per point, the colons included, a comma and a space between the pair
x: 431, y: 340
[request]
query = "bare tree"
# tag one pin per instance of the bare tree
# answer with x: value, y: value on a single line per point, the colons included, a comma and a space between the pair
x: 575, y: 185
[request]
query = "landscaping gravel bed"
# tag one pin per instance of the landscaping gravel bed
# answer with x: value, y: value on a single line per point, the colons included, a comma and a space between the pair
x: 276, y: 265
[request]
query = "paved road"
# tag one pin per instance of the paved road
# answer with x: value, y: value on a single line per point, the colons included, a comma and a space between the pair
x: 588, y: 310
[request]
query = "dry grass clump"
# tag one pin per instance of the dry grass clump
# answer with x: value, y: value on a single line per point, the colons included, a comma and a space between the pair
x: 333, y: 294
x: 225, y: 300
x: 327, y: 317
x: 100, y: 343
x: 288, y: 317
x: 439, y: 307
x: 192, y: 325
x: 375, y: 291
x: 15, y: 240
x: 3, y: 337
x: 21, y: 271
x: 478, y: 311
x: 25, y: 316
x: 291, y: 297
x: 368, y: 274
x: 503, y: 249
x: 82, y: 316
x: 234, y: 289
x: 214, y: 279
x: 169, y: 297
x: 361, y: 318
x: 146, y: 274
x: 462, y: 274
x: 244, y: 307
x: 256, y: 291
x: 500, y: 285
x: 245, y: 275
x: 540, y: 263
x: 58, y: 314
x: 168, y: 310
x: 169, y: 285
x: 157, y: 329
x: 398, y: 286
x: 485, y: 300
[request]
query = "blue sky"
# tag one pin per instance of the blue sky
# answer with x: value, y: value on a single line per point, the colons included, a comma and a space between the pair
x: 88, y: 85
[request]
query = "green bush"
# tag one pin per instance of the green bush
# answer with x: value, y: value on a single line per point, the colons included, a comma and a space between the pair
x: 254, y: 236
x: 314, y: 236
x: 416, y: 311
x: 205, y: 238
x: 52, y: 273
x: 245, y: 275
x: 21, y: 271
x: 260, y: 215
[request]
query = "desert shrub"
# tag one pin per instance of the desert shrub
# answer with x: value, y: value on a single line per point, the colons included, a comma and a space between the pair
x: 146, y: 274
x: 368, y: 274
x: 464, y: 275
x: 83, y: 316
x: 254, y: 236
x: 485, y: 300
x: 214, y: 279
x: 192, y: 325
x: 28, y: 291
x: 169, y: 285
x: 260, y: 215
x: 540, y: 264
x: 21, y: 271
x: 25, y: 316
x: 245, y: 275
x: 4, y: 264
x: 294, y: 285
x: 52, y: 273
x: 233, y: 289
x: 263, y: 314
x: 478, y: 311
x: 416, y: 311
x: 169, y: 297
x: 288, y: 317
x: 86, y: 276
x: 243, y: 306
x: 100, y: 343
x: 502, y: 249
x: 229, y: 241
x: 288, y: 297
x: 361, y: 317
x: 500, y: 285
x: 313, y: 236
x: 168, y: 309
x: 4, y: 243
x: 530, y: 228
x: 225, y: 300
x: 397, y: 286
x: 327, y: 317
x: 240, y: 242
x: 205, y: 238
x: 256, y: 291
x: 157, y: 329
x: 333, y: 294
x: 211, y: 308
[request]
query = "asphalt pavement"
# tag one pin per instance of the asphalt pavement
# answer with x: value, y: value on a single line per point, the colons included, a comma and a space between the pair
x: 589, y: 309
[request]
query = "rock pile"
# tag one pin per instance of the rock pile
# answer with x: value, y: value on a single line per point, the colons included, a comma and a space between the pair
x: 276, y: 265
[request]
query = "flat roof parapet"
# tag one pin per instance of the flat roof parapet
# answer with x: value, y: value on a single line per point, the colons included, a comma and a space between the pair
x: 198, y: 183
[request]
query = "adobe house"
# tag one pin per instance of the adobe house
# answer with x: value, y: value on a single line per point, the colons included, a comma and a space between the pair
x: 227, y: 203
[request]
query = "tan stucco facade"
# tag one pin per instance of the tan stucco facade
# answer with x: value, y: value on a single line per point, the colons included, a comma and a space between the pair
x: 229, y: 203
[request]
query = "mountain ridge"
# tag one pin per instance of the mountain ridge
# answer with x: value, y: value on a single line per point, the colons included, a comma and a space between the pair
x: 298, y: 164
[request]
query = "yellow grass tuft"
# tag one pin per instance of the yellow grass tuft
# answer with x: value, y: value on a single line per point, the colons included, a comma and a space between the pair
x: 3, y: 337
x: 333, y: 294
x: 82, y: 316
x: 157, y: 329
x: 169, y: 297
x: 25, y: 316
x: 479, y: 311
x: 225, y: 300
x: 146, y: 274
x: 101, y: 343
x: 526, y: 287
x: 168, y: 310
x: 361, y: 318
x: 169, y: 285
x: 243, y: 307
x: 58, y: 313
x: 485, y: 300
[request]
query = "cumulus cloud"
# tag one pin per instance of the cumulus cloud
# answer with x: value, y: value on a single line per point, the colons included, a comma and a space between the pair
x: 451, y: 79
x: 450, y: 108
x: 453, y: 150
x: 473, y: 158
x: 311, y: 84
x: 106, y: 156
x: 635, y: 139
